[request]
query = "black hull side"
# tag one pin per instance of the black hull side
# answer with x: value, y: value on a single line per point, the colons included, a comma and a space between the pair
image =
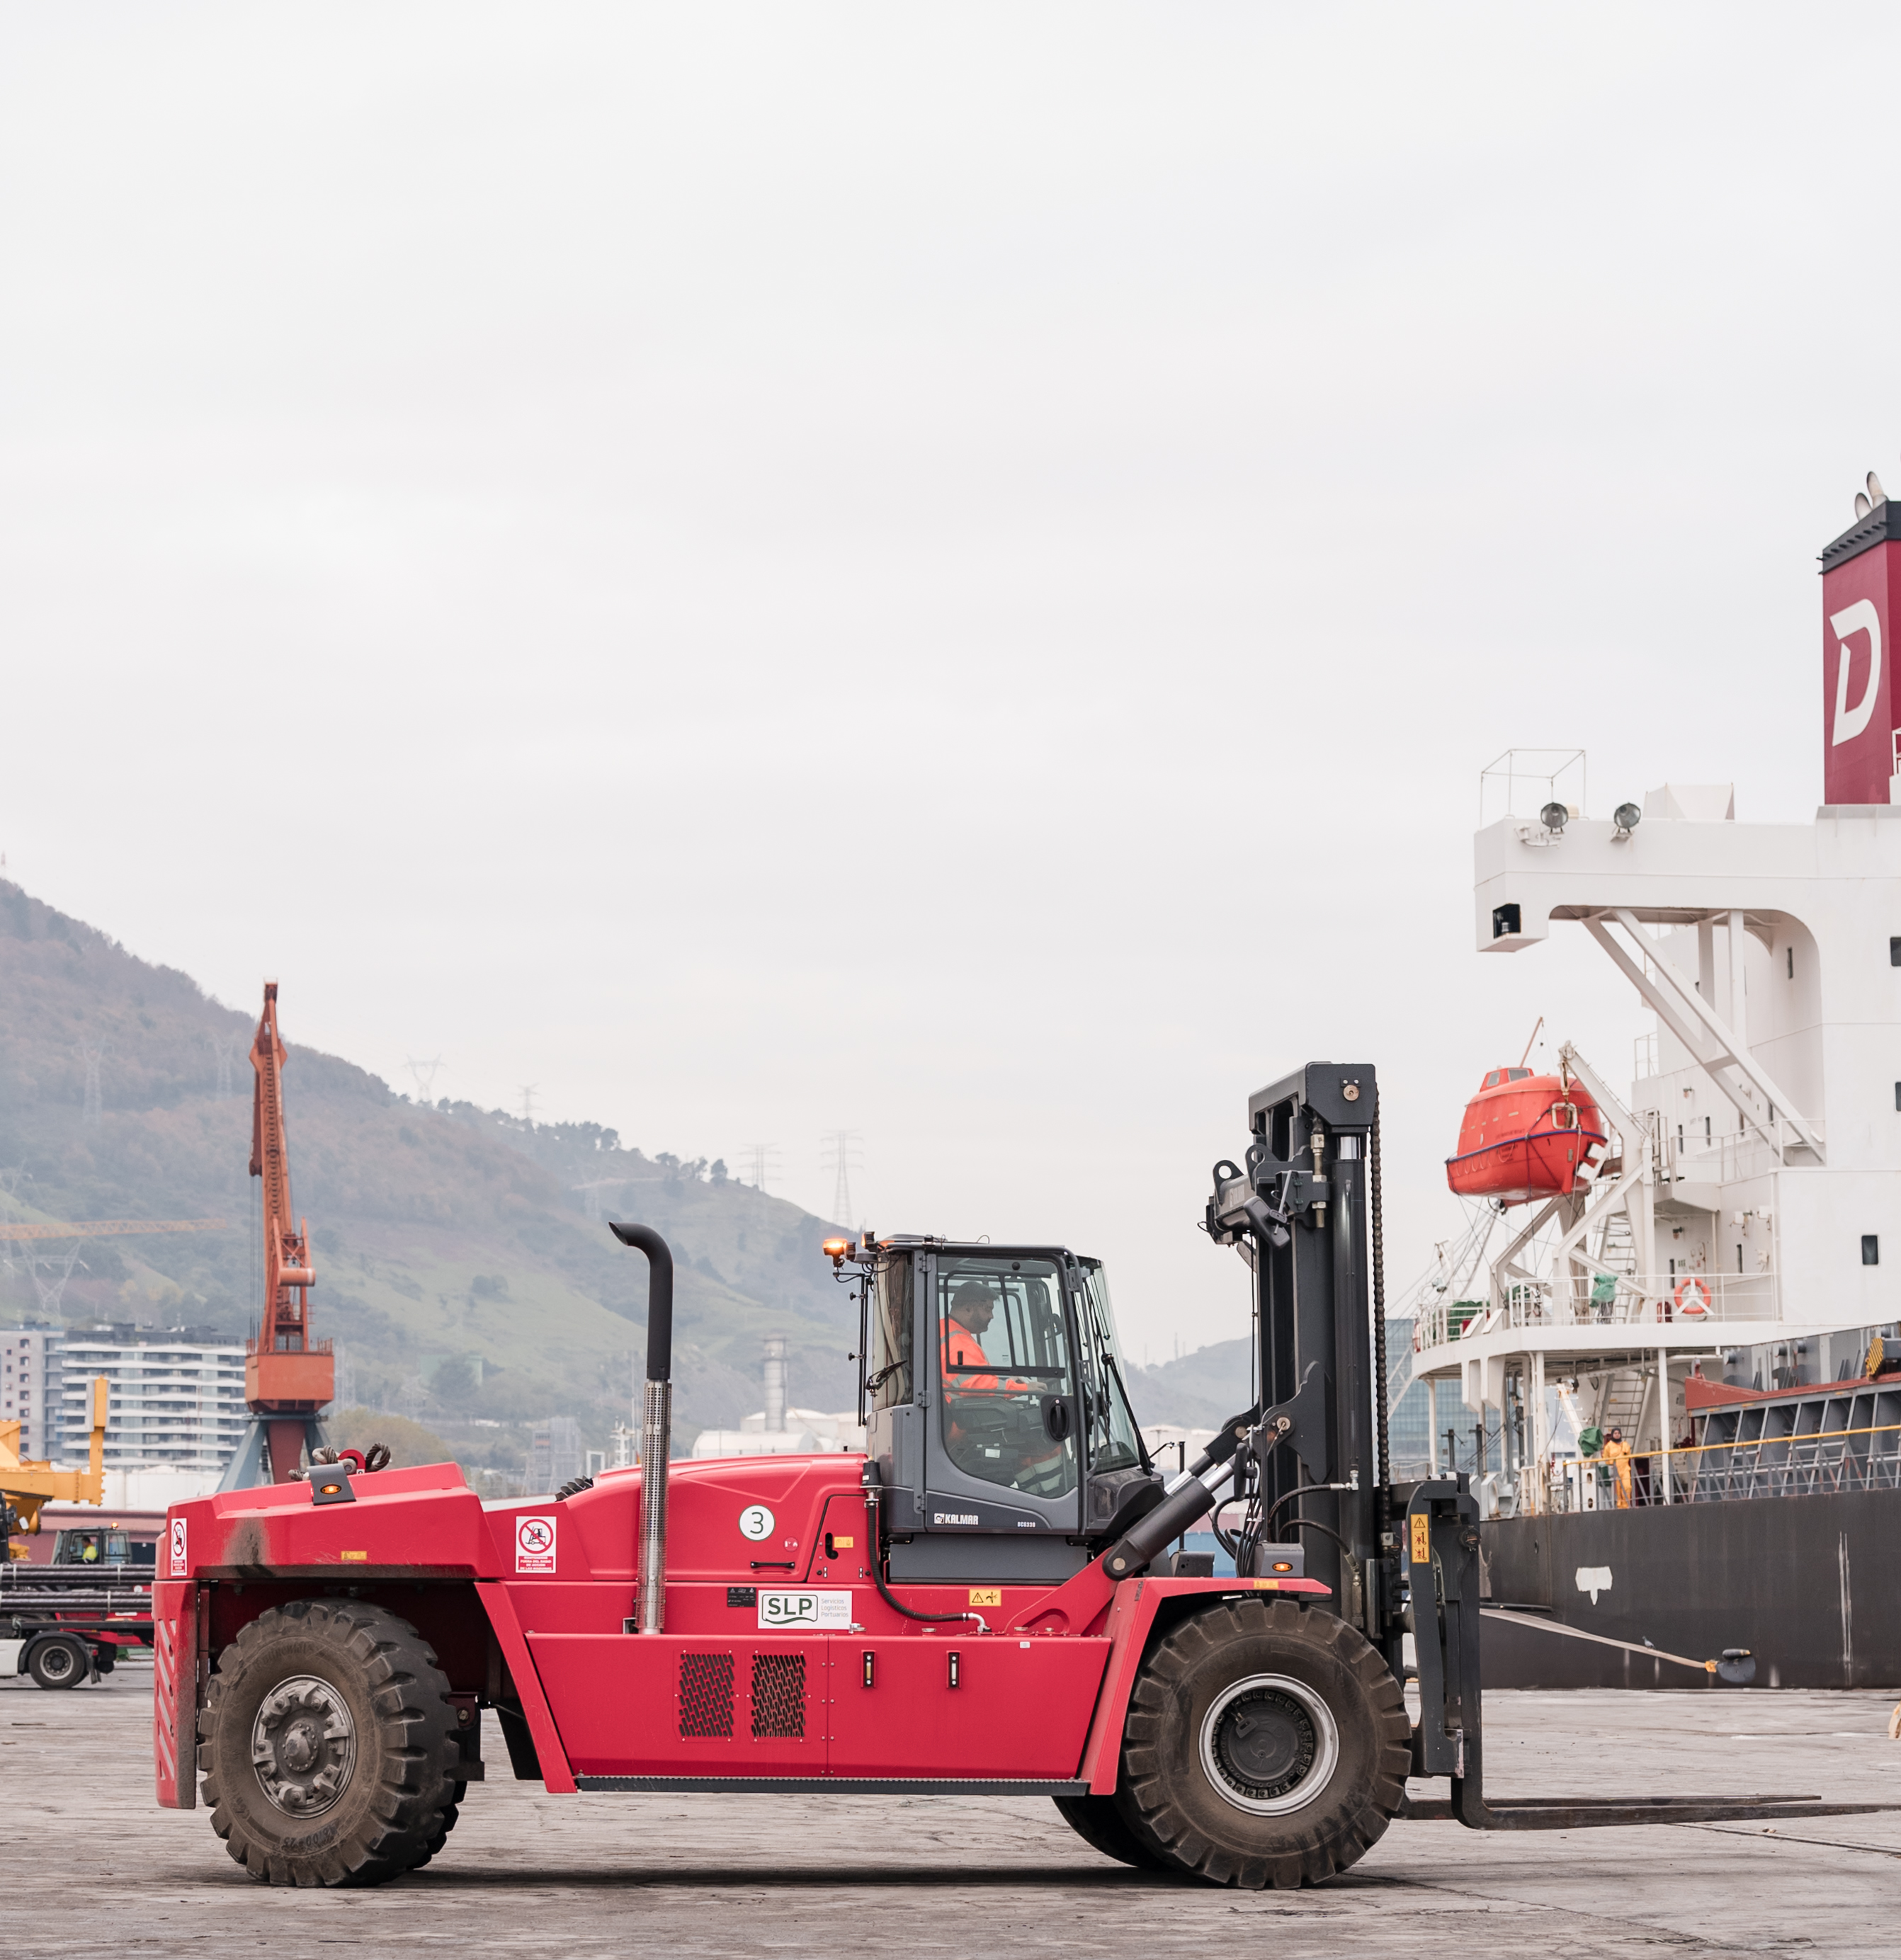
x: 1810, y: 1586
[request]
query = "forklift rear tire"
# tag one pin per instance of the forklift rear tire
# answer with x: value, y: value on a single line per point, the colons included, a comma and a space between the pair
x: 328, y: 1752
x: 1266, y: 1744
x: 58, y: 1663
x: 1098, y: 1823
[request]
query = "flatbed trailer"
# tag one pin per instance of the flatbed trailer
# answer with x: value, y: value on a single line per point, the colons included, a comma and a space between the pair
x: 67, y: 1638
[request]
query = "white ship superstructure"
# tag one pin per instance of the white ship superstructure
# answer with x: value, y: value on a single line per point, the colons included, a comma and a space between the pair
x: 1744, y: 1222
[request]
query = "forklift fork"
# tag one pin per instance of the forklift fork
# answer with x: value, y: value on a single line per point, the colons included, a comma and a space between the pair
x: 1442, y: 1567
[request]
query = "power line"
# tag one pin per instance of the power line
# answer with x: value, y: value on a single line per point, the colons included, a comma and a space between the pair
x: 91, y: 1058
x: 764, y: 1158
x: 844, y: 1155
x: 224, y: 1054
x: 424, y: 1070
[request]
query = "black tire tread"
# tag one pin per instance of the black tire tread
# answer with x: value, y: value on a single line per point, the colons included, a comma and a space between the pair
x: 416, y: 1805
x: 1315, y: 1849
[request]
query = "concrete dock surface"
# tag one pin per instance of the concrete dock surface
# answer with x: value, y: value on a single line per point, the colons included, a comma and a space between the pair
x: 94, y: 1867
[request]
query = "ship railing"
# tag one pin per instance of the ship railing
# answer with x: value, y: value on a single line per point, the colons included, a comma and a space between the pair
x: 1731, y: 1159
x: 1680, y: 1301
x: 1823, y: 1464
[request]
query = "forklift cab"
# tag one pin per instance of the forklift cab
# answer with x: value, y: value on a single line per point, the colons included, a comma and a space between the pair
x: 995, y: 1410
x: 100, y: 1545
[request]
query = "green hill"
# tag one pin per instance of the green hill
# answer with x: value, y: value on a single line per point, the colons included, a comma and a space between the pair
x: 460, y: 1252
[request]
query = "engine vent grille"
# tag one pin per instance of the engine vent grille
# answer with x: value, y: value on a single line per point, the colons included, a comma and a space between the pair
x: 705, y: 1694
x: 778, y: 1696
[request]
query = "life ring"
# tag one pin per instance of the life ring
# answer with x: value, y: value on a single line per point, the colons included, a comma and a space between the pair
x: 1692, y: 1296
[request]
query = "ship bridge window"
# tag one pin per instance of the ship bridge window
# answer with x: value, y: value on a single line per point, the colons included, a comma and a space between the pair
x: 1894, y: 952
x: 1870, y: 1248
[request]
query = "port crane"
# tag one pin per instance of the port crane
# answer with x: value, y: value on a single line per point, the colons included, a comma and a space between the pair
x: 986, y: 1602
x: 289, y: 1376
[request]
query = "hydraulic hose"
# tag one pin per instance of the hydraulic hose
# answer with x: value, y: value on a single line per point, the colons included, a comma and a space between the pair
x: 873, y: 1518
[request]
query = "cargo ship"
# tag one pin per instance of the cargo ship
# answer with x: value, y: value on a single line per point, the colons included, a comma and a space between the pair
x: 1668, y: 1345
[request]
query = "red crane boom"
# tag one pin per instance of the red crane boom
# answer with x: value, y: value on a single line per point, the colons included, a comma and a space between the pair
x: 287, y: 1374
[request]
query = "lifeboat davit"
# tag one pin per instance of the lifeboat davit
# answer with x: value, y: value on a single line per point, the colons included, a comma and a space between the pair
x: 1526, y: 1136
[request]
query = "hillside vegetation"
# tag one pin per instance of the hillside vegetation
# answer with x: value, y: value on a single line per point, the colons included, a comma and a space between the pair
x: 461, y: 1253
x: 462, y: 1259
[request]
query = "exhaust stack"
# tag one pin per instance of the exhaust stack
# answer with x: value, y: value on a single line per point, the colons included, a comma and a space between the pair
x: 656, y: 1420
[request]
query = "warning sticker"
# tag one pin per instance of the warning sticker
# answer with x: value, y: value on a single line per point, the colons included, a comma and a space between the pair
x: 798, y: 1612
x: 1422, y: 1538
x: 534, y: 1544
x: 179, y: 1567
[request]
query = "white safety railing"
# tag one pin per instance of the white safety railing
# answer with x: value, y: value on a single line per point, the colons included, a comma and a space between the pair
x: 1684, y: 1156
x: 1683, y: 1301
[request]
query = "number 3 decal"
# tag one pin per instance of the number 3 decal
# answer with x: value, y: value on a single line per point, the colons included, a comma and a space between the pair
x: 755, y: 1522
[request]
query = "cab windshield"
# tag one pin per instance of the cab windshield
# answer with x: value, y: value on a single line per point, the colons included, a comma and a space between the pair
x: 1115, y: 1443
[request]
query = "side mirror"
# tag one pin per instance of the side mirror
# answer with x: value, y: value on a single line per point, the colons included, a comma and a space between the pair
x: 1055, y: 1419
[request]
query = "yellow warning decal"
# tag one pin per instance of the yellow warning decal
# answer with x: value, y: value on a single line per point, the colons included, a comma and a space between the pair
x: 986, y: 1595
x: 1266, y: 1584
x: 354, y: 1556
x: 1422, y: 1537
x: 843, y: 1544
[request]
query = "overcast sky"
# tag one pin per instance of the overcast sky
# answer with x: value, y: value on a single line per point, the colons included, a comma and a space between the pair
x: 946, y: 572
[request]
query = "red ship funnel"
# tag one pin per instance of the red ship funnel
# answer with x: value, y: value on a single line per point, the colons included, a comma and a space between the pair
x: 1860, y: 583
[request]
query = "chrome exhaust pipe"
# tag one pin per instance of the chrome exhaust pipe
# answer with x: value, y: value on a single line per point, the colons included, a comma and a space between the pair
x: 657, y: 1422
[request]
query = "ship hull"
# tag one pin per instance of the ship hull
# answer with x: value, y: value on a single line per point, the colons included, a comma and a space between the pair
x: 1810, y: 1586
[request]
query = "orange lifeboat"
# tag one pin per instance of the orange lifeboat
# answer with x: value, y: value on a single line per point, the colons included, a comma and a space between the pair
x: 1526, y: 1136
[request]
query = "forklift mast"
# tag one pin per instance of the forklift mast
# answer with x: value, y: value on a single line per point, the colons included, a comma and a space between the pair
x: 1302, y: 1208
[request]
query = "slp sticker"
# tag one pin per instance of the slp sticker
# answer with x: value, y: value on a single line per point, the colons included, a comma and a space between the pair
x: 1422, y: 1538
x: 798, y: 1612
x: 755, y: 1522
x: 179, y: 1566
x: 534, y: 1544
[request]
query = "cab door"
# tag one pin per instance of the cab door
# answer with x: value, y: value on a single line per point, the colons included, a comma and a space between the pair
x: 1002, y: 1450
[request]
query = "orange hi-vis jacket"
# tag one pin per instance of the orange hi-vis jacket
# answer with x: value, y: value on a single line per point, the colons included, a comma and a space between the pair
x: 962, y: 1349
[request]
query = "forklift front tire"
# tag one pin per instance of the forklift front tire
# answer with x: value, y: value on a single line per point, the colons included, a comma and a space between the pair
x: 328, y: 1749
x: 1265, y: 1745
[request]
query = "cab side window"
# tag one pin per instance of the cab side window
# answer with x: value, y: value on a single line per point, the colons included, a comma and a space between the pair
x: 887, y: 1358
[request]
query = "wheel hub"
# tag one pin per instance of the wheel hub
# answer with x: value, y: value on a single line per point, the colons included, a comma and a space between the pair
x: 1269, y: 1744
x: 304, y: 1745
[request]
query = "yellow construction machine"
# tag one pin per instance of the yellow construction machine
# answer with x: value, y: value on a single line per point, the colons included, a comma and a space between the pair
x: 25, y: 1486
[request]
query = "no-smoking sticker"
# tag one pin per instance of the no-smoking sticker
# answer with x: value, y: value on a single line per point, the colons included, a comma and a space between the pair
x: 534, y: 1544
x: 179, y: 1567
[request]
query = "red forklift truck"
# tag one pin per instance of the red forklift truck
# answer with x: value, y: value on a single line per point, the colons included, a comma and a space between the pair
x: 985, y: 1603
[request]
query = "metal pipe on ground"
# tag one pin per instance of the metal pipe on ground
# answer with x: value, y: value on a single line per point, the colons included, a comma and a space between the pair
x: 656, y: 1420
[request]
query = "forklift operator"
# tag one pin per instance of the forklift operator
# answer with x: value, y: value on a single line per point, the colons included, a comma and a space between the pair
x: 972, y: 1308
